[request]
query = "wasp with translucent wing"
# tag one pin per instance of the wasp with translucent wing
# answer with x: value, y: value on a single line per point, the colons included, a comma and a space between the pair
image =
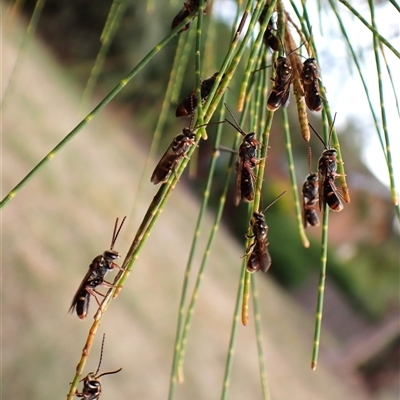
x: 91, y: 382
x: 259, y: 258
x: 188, y: 105
x: 310, y: 197
x: 309, y: 79
x: 279, y: 95
x: 95, y: 276
x: 189, y: 7
x: 245, y: 164
x: 175, y: 152
x: 327, y: 166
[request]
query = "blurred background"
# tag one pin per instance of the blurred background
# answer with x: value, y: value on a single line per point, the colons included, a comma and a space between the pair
x: 64, y: 217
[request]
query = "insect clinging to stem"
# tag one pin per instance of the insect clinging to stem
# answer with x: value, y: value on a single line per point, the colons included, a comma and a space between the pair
x: 310, y: 197
x: 175, y: 152
x: 259, y: 257
x: 94, y: 277
x: 246, y: 162
x: 310, y: 79
x: 327, y: 167
x: 188, y: 105
x: 91, y: 382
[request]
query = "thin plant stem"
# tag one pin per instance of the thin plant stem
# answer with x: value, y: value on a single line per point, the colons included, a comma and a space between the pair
x: 393, y: 191
x: 30, y: 31
x: 292, y: 174
x: 321, y: 289
x: 94, y: 112
x: 181, y: 346
x: 259, y: 340
x: 232, y: 340
x: 111, y: 26
x: 254, y: 56
x: 371, y: 28
x: 358, y: 67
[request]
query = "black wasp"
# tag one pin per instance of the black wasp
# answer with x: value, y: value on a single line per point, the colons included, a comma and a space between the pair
x: 310, y: 78
x: 177, y: 150
x: 279, y: 95
x: 327, y: 166
x: 91, y: 382
x: 259, y: 258
x: 310, y: 197
x: 245, y: 164
x: 95, y: 276
x: 189, y: 7
x: 188, y: 105
x: 269, y: 38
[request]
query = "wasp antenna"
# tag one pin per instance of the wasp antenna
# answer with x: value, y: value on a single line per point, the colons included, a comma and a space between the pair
x: 101, y: 351
x: 109, y: 373
x: 116, y: 232
x: 319, y: 137
x: 274, y: 201
x: 237, y: 127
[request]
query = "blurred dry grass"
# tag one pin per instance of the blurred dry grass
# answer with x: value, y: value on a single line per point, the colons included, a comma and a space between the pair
x: 64, y: 217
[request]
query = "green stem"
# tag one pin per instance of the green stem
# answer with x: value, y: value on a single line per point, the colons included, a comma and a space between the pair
x: 93, y: 113
x: 321, y: 289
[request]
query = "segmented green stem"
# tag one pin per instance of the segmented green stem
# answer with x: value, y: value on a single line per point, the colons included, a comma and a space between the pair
x: 174, y: 377
x: 361, y: 75
x: 371, y: 28
x: 30, y: 31
x: 292, y: 174
x: 259, y: 339
x: 389, y: 163
x: 181, y: 345
x: 254, y: 56
x: 111, y: 26
x: 321, y: 289
x: 93, y: 113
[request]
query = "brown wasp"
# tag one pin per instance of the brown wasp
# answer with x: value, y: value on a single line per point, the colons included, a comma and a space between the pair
x: 189, y: 7
x: 91, y: 382
x: 259, y: 258
x: 327, y: 166
x: 95, y: 276
x: 245, y: 164
x: 177, y: 150
x: 310, y: 197
x: 309, y: 79
x: 279, y: 95
x: 188, y: 105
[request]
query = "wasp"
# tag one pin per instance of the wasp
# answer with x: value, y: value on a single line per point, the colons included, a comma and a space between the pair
x: 177, y: 150
x: 189, y: 7
x: 327, y: 166
x: 91, y: 382
x: 188, y: 105
x: 269, y: 38
x: 309, y: 79
x: 310, y: 197
x: 259, y: 258
x: 95, y: 276
x: 245, y: 164
x: 279, y: 95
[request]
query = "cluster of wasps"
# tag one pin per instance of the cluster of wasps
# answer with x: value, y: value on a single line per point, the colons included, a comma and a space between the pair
x: 317, y: 188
